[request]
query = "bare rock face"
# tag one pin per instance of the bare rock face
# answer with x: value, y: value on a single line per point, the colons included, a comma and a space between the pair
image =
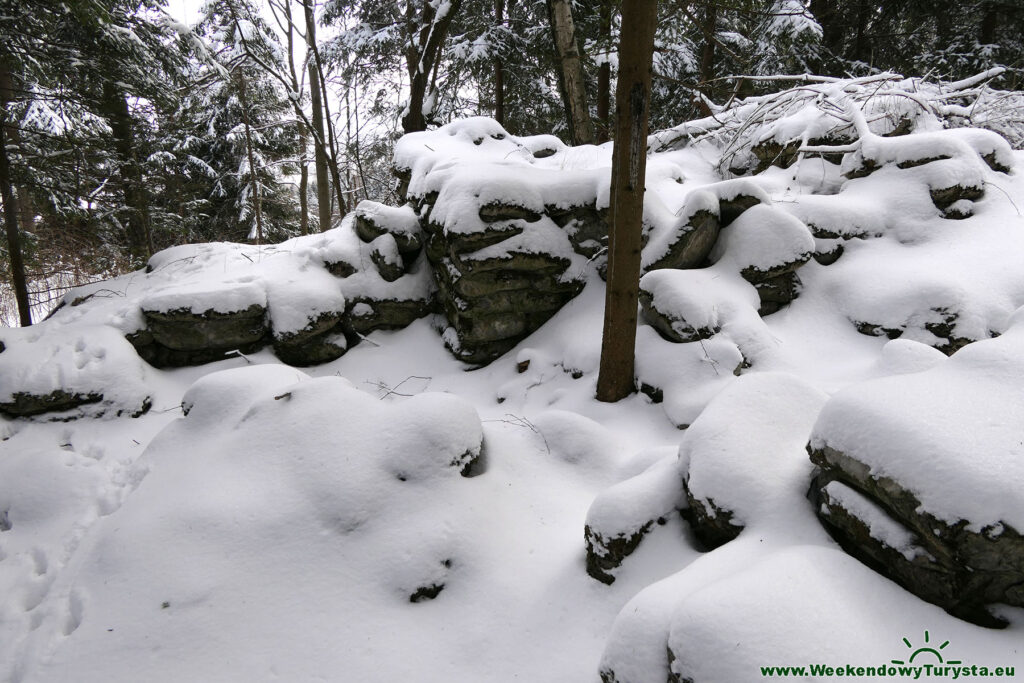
x: 320, y: 341
x: 25, y: 404
x: 881, y: 523
x: 501, y: 280
x: 181, y: 337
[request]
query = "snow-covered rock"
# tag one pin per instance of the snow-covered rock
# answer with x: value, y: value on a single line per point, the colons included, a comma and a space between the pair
x: 73, y: 372
x: 919, y: 474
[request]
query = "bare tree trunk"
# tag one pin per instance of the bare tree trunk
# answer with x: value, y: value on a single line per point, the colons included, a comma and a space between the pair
x: 323, y: 184
x: 140, y: 239
x: 604, y: 75
x: 499, y: 68
x: 570, y: 72
x: 423, y: 53
x: 13, y: 234
x: 629, y: 165
x: 17, y: 264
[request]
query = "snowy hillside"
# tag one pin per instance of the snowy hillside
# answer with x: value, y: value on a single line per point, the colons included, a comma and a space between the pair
x: 373, y: 454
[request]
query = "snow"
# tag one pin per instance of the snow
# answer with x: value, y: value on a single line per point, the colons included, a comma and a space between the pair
x: 263, y: 523
x: 753, y: 465
x: 969, y: 405
x: 763, y: 238
x: 200, y: 298
x: 86, y: 360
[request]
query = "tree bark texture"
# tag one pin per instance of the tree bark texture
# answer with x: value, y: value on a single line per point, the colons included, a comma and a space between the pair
x: 570, y: 72
x: 427, y: 34
x: 629, y: 165
x: 323, y: 183
x: 17, y: 264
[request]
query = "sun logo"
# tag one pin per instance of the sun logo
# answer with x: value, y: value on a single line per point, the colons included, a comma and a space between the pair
x: 926, y: 649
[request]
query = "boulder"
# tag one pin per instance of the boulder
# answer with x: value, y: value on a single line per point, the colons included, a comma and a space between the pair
x: 623, y: 514
x: 917, y: 475
x: 386, y: 257
x: 372, y: 220
x: 586, y: 226
x: 200, y: 323
x: 366, y: 314
x: 686, y: 243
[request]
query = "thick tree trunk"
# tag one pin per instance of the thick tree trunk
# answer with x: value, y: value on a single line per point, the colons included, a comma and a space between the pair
x: 604, y: 75
x: 423, y: 53
x: 323, y: 183
x: 629, y: 165
x: 570, y: 72
x: 499, y: 68
x: 140, y: 239
x: 989, y: 23
x: 11, y: 212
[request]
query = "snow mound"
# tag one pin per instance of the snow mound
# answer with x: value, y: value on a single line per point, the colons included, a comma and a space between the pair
x: 229, y: 498
x: 74, y: 371
x: 730, y: 630
x: 735, y: 478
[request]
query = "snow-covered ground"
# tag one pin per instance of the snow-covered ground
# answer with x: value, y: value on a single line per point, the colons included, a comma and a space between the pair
x: 268, y: 523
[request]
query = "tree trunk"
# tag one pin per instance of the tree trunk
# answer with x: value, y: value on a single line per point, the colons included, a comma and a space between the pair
x: 254, y: 179
x: 860, y: 42
x: 140, y: 240
x: 332, y: 148
x: 629, y: 165
x: 604, y: 75
x: 707, y: 54
x: 423, y: 53
x: 10, y: 206
x: 499, y: 68
x: 323, y: 184
x: 824, y: 12
x: 303, y: 134
x: 989, y: 24
x: 303, y: 182
x: 23, y: 199
x: 570, y: 72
